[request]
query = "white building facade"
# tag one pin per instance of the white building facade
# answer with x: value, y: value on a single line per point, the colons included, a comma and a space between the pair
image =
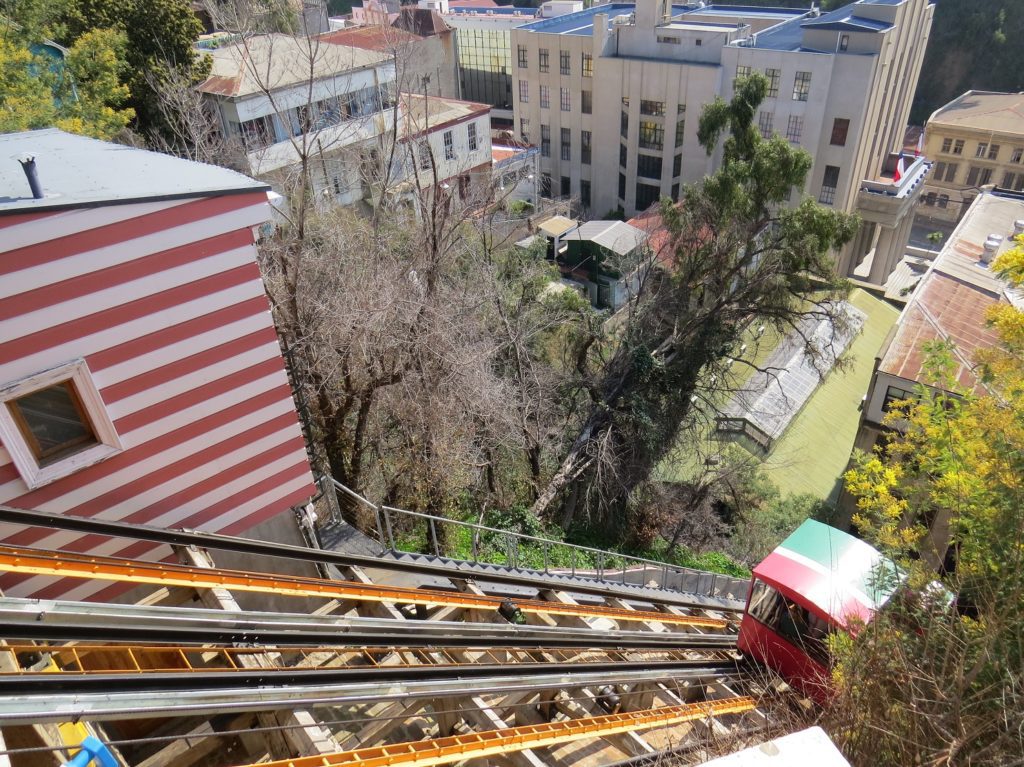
x: 612, y: 96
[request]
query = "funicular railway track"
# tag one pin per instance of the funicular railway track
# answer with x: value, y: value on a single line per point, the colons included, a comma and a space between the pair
x: 107, y: 664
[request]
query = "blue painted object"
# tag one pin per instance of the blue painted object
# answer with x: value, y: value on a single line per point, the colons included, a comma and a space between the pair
x: 92, y: 748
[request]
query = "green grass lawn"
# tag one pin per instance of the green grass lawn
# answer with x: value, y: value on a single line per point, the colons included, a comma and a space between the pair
x: 812, y: 453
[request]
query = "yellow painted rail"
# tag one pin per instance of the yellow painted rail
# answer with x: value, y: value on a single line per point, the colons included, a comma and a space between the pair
x: 88, y: 658
x: 423, y: 753
x: 70, y: 565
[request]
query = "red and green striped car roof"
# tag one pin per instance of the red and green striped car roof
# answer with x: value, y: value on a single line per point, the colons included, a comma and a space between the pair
x: 844, y: 577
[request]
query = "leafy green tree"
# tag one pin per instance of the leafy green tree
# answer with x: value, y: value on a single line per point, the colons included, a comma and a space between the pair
x: 739, y: 255
x: 81, y: 94
x: 923, y: 683
x: 159, y: 34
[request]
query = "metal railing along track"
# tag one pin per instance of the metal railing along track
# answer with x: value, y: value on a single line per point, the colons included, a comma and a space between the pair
x: 70, y: 565
x: 272, y: 549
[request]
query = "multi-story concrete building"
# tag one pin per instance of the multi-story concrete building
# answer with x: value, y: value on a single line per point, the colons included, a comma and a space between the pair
x: 338, y: 106
x: 483, y: 42
x: 612, y: 95
x: 975, y: 140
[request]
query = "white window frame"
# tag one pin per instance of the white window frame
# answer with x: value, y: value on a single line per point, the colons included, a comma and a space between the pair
x: 108, y: 441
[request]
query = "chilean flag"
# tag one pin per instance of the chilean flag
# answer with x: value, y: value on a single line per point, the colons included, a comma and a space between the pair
x: 900, y: 170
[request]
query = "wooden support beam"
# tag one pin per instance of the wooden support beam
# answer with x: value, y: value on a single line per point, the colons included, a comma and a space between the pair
x: 300, y: 734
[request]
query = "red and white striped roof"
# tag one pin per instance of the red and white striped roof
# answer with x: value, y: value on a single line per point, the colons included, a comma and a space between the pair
x: 164, y: 301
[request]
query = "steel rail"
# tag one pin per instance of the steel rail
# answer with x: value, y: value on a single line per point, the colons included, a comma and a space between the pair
x: 476, y: 745
x: 49, y: 706
x: 286, y: 551
x: 114, y: 658
x: 76, y: 683
x: 63, y: 621
x: 63, y: 564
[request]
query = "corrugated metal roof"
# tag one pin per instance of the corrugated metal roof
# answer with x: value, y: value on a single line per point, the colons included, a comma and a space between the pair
x: 953, y: 298
x: 269, y: 62
x: 616, y: 236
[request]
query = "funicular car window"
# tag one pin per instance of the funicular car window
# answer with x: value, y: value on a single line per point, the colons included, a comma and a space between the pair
x: 794, y: 623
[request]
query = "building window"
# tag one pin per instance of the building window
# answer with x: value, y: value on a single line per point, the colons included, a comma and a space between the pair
x: 958, y: 146
x: 545, y: 184
x: 894, y: 395
x: 449, y: 146
x: 652, y: 107
x: 742, y: 70
x: 795, y: 624
x: 522, y: 56
x: 794, y: 129
x: 586, y: 102
x: 840, y: 130
x: 677, y: 165
x: 951, y: 169
x: 524, y: 128
x: 545, y: 97
x: 764, y: 124
x: 563, y: 62
x: 982, y: 149
x: 566, y: 189
x: 55, y: 423
x: 829, y: 183
x: 929, y: 199
x: 993, y: 152
x: 542, y: 59
x: 622, y: 155
x: 257, y: 133
x: 1016, y: 155
x: 584, y: 193
x: 471, y: 133
x: 524, y: 91
x: 943, y: 200
x: 652, y: 135
x: 545, y: 141
x: 622, y: 187
x: 947, y: 144
x: 802, y: 86
x: 670, y: 39
x: 977, y: 176
x: 680, y: 132
x: 648, y: 166
x: 844, y: 42
x: 566, y: 144
x: 588, y: 65
x: 774, y: 76
x: 940, y: 170
x: 624, y: 124
x: 698, y: 42
x: 425, y: 158
x: 1008, y: 179
x: 675, y: 192
x: 646, y: 196
x: 565, y: 99
x: 585, y: 147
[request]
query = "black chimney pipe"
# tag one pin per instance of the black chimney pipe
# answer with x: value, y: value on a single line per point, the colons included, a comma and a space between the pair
x: 28, y: 164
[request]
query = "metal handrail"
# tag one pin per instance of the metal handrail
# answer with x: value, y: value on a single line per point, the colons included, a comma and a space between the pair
x: 385, y: 530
